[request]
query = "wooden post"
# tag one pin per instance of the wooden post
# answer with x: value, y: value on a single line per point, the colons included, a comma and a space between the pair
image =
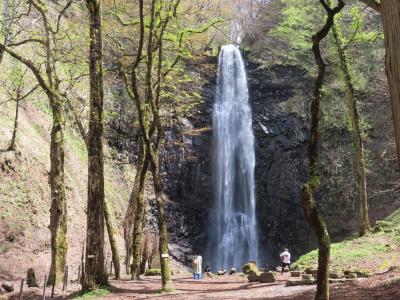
x: 44, y: 287
x: 21, y: 290
x: 52, y: 289
x: 66, y: 277
x: 65, y: 273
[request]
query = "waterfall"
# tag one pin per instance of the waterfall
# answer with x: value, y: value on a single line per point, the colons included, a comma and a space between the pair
x: 233, y: 229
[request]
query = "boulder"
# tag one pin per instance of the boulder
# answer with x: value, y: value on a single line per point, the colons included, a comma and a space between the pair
x: 8, y: 287
x: 221, y: 272
x: 232, y: 271
x: 267, y: 277
x: 31, y: 278
x: 253, y: 277
x: 306, y: 277
x: 295, y: 273
x: 295, y: 282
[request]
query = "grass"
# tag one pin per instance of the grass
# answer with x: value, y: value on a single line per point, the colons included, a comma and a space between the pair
x: 371, y: 253
x: 100, y: 292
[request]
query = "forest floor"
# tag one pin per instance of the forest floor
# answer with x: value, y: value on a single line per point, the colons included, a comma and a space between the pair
x: 382, y: 286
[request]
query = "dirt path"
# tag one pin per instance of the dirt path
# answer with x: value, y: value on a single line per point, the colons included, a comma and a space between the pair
x: 385, y: 286
x: 224, y: 287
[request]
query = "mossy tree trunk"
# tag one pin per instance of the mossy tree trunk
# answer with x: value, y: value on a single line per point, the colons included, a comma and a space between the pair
x: 358, y: 144
x: 390, y: 12
x: 107, y: 211
x: 15, y: 128
x: 111, y: 237
x: 58, y: 210
x: 95, y: 273
x: 162, y: 225
x: 138, y: 222
x: 308, y: 189
x: 137, y: 190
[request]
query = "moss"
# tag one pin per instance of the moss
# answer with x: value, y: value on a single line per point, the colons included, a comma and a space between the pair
x: 100, y: 292
x: 250, y: 268
x: 354, y: 250
x: 153, y: 272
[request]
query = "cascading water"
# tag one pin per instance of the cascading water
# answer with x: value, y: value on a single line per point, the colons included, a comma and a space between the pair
x: 233, y: 235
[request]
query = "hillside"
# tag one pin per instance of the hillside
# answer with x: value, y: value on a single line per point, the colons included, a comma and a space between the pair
x: 378, y: 252
x: 25, y: 193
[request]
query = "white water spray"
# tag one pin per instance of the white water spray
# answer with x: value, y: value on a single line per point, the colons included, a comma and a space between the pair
x: 233, y: 236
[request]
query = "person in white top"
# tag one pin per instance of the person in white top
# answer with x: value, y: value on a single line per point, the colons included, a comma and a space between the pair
x: 285, y: 258
x: 197, y: 269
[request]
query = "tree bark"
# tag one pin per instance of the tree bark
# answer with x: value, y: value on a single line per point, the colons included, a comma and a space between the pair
x: 308, y: 189
x: 390, y: 11
x: 162, y: 225
x: 58, y: 210
x: 130, y: 212
x: 139, y: 216
x: 358, y: 144
x: 95, y: 274
x: 14, y: 134
x: 113, y: 242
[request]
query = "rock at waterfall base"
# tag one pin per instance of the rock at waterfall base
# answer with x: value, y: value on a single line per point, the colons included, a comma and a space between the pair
x: 306, y: 276
x: 295, y: 282
x: 295, y: 273
x: 253, y: 277
x: 267, y: 277
x: 221, y: 272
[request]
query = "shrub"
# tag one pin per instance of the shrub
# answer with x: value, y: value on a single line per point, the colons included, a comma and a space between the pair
x: 250, y: 268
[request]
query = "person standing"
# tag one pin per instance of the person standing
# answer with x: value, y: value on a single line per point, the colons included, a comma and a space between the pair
x: 197, y: 267
x: 285, y: 258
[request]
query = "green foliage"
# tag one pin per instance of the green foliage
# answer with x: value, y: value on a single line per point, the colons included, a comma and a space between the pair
x: 250, y: 268
x: 100, y: 292
x: 355, y: 251
x: 153, y: 272
x: 300, y: 20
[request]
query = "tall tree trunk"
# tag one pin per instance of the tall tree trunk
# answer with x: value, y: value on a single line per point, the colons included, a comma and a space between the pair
x: 308, y: 189
x: 147, y: 247
x: 358, y: 144
x: 14, y: 134
x: 107, y: 213
x: 139, y: 216
x: 390, y: 11
x: 111, y: 237
x: 58, y: 210
x: 95, y: 270
x: 162, y: 225
x: 130, y: 212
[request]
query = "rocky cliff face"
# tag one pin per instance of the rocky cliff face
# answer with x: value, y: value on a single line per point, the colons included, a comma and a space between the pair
x: 280, y: 129
x: 280, y: 97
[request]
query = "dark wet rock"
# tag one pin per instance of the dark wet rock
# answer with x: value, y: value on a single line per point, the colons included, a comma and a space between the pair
x: 267, y: 277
